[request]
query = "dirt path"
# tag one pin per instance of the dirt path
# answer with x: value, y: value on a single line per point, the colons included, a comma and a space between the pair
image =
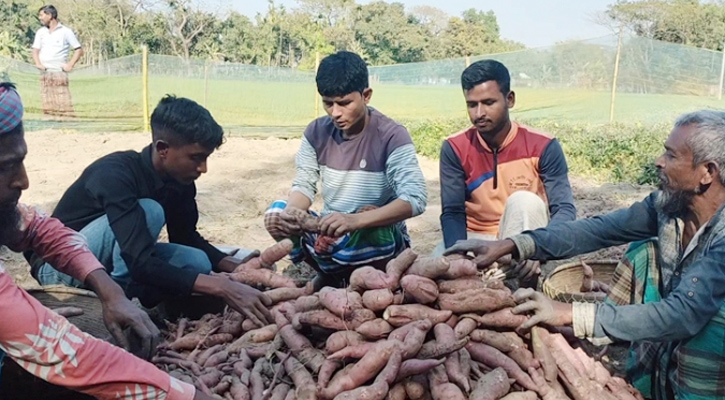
x: 244, y: 177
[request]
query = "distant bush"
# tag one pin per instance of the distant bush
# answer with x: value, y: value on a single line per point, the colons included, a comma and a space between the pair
x: 608, y: 153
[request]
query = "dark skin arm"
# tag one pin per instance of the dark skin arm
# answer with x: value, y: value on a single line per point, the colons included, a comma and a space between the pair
x: 120, y: 313
x: 338, y: 224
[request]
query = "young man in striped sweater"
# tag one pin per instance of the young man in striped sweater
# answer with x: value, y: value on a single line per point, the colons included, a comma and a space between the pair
x: 370, y: 177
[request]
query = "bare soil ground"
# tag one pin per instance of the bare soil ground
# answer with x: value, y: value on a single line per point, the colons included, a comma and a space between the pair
x: 245, y: 176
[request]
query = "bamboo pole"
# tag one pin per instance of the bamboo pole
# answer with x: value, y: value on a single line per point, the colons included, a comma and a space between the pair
x: 616, y: 74
x: 722, y: 73
x: 317, y: 95
x: 206, y: 81
x: 468, y: 61
x: 145, y: 89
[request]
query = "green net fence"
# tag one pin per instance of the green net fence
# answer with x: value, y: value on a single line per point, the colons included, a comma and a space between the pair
x: 570, y: 81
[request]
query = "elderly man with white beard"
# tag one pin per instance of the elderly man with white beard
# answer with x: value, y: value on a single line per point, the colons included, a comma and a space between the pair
x: 668, y: 293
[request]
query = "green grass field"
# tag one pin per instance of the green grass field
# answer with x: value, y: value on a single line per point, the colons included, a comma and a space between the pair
x: 114, y: 103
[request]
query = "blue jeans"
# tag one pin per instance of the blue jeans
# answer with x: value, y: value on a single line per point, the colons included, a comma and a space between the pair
x: 104, y: 246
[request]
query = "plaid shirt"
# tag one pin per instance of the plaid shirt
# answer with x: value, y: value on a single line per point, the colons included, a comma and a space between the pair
x: 689, y: 321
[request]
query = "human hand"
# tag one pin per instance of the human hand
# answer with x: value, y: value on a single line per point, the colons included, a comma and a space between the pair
x: 248, y: 301
x: 67, y: 67
x: 121, y: 314
x: 288, y: 223
x: 523, y: 270
x: 339, y: 224
x: 485, y: 252
x: 545, y: 311
x: 40, y: 67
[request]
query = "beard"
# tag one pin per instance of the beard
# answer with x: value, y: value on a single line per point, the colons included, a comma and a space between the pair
x: 9, y: 224
x: 674, y: 203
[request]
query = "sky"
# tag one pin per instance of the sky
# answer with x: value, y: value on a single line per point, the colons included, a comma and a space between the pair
x: 535, y: 23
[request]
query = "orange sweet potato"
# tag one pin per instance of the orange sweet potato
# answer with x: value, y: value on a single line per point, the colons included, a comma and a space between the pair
x: 460, y: 268
x: 417, y: 367
x: 404, y: 314
x: 322, y: 318
x: 307, y: 303
x: 587, y: 279
x: 305, y: 388
x: 390, y: 372
x: 503, y: 341
x: 376, y: 391
x: 543, y: 354
x: 419, y: 289
x: 528, y: 395
x: 455, y: 374
x: 369, y: 278
x: 287, y: 293
x: 436, y: 349
x: 340, y: 301
x: 356, y: 351
x: 476, y: 301
x: 302, y: 348
x: 268, y: 257
x: 501, y: 319
x: 362, y: 371
x: 441, y: 388
x: 260, y: 335
x: 402, y: 332
x: 397, y: 392
x: 375, y: 329
x: 341, y: 339
x: 464, y: 327
x: 429, y: 267
x: 326, y: 371
x: 491, y: 386
x: 377, y: 300
x: 468, y: 283
x: 494, y: 358
x: 417, y: 388
x: 397, y: 267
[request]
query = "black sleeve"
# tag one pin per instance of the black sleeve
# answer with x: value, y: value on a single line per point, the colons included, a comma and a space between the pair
x: 181, y: 220
x: 553, y: 171
x: 453, y: 196
x: 115, y: 189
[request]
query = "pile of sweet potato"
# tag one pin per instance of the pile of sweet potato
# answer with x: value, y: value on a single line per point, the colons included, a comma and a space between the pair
x: 426, y: 328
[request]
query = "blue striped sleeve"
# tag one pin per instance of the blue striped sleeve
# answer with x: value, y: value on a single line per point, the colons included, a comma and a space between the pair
x: 406, y: 177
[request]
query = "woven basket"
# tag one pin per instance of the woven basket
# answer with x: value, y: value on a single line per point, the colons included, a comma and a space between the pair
x: 564, y: 282
x: 91, y: 321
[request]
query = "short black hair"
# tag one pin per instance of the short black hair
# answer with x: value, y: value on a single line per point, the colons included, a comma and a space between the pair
x: 181, y: 121
x: 49, y: 9
x: 342, y: 73
x: 484, y: 71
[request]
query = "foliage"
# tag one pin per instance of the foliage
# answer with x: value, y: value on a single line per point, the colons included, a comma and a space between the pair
x: 613, y: 153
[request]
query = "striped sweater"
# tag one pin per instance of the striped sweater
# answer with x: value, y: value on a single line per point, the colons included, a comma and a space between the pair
x: 375, y: 167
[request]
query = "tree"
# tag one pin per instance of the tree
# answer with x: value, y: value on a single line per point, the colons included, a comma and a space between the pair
x: 186, y: 23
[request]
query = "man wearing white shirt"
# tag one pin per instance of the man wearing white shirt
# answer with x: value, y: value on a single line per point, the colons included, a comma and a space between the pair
x: 51, y: 47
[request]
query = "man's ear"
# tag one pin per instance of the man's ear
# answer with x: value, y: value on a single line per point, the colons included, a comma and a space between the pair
x: 367, y: 94
x: 712, y: 170
x: 161, y: 147
x: 511, y: 99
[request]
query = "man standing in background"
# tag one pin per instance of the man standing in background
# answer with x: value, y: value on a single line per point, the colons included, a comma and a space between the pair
x: 51, y: 47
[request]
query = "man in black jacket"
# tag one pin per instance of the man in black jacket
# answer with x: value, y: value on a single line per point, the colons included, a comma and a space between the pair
x: 122, y: 201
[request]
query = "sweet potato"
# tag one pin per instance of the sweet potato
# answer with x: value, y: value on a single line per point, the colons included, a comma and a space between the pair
x: 390, y: 372
x: 341, y: 339
x: 362, y: 371
x: 503, y: 341
x: 501, y: 319
x: 216, y: 359
x: 268, y: 257
x: 377, y: 300
x: 460, y: 268
x: 543, y: 354
x: 302, y: 348
x: 360, y: 317
x: 397, y: 392
x: 376, y: 391
x: 476, y: 301
x: 528, y: 395
x: 211, y: 378
x: 306, y: 221
x: 321, y: 318
x: 524, y: 358
x: 397, y: 267
x: 440, y: 388
x: 435, y: 349
x: 280, y: 392
x: 232, y: 327
x: 494, y: 358
x: 340, y: 301
x: 402, y: 332
x: 223, y: 385
x: 455, y: 373
x: 468, y: 283
x: 357, y: 351
x: 429, y: 267
x: 260, y: 335
x: 68, y: 311
x: 465, y: 359
x: 238, y: 390
x: 263, y: 277
x: 248, y: 325
x: 307, y: 303
x: 587, y: 279
x: 413, y: 341
x: 193, y: 340
x: 287, y: 293
x: 491, y: 386
x: 464, y: 327
x: 403, y: 314
x: 326, y: 371
x: 375, y: 329
x: 204, y: 355
x: 305, y: 388
x: 419, y: 289
x: 417, y: 367
x: 417, y: 388
x: 369, y: 278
